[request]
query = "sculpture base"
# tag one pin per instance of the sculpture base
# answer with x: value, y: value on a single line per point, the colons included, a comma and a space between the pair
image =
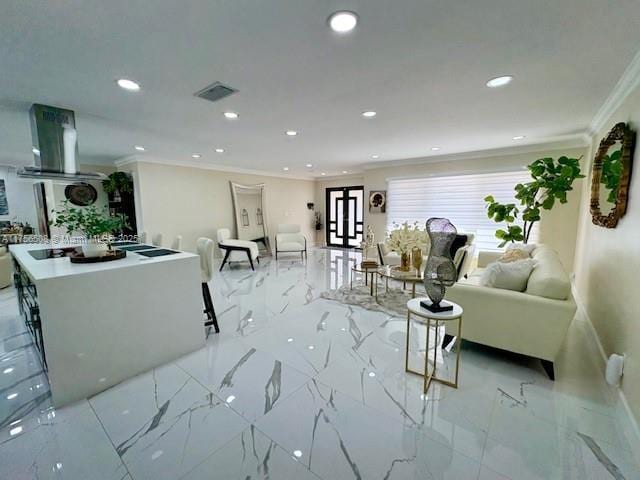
x: 436, y: 308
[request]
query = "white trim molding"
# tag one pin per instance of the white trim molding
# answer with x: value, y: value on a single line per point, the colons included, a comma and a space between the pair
x: 628, y: 82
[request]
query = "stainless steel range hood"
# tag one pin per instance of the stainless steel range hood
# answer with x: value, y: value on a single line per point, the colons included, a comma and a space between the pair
x: 55, y: 146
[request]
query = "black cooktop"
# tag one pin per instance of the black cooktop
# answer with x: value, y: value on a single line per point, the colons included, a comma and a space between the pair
x: 135, y: 247
x: 158, y: 252
x: 46, y: 253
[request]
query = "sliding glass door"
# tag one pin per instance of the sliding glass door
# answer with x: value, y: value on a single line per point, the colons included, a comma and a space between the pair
x: 345, y: 216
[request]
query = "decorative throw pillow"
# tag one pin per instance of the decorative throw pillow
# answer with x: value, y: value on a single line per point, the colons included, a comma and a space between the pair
x: 527, y: 247
x: 513, y: 256
x: 508, y: 276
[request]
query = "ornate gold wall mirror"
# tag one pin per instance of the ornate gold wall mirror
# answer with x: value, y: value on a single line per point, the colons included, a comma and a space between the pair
x: 610, y: 176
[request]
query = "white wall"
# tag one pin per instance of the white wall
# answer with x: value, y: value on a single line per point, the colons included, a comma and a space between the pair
x: 195, y: 202
x: 20, y: 197
x: 608, y: 264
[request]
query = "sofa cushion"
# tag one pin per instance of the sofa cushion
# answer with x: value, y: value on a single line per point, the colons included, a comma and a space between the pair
x: 508, y: 276
x: 548, y: 279
x: 527, y: 247
x: 458, y: 242
x: 513, y: 256
x: 290, y: 247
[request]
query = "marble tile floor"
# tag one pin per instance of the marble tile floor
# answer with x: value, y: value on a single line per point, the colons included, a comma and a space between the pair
x: 298, y: 387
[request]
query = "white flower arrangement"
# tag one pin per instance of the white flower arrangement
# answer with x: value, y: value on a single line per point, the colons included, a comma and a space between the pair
x: 403, y: 238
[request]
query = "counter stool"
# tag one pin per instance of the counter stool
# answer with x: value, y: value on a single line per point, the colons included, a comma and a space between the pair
x: 205, y: 250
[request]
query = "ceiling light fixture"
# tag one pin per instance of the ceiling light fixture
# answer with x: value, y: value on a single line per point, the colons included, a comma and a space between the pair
x: 499, y: 81
x: 308, y: 165
x: 344, y: 171
x: 375, y: 156
x: 343, y: 21
x: 219, y: 150
x: 369, y: 114
x: 519, y: 137
x: 435, y: 149
x: 139, y: 148
x: 128, y: 85
x: 231, y: 115
x: 291, y: 133
x: 196, y: 155
x: 286, y: 169
x: 323, y: 174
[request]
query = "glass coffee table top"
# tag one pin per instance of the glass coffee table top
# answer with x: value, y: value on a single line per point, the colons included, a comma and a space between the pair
x: 411, y: 276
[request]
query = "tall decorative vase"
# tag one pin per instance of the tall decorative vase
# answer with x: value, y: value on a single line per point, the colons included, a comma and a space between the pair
x: 416, y: 258
x: 405, y: 261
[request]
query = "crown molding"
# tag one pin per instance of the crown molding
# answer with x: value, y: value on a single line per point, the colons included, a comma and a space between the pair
x: 204, y: 165
x: 628, y: 82
x: 578, y: 140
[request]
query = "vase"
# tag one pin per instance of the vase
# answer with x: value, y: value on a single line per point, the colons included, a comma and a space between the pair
x: 405, y: 261
x: 94, y: 248
x: 416, y: 258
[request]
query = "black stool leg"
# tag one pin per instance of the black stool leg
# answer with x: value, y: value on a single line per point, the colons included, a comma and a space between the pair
x: 208, y: 308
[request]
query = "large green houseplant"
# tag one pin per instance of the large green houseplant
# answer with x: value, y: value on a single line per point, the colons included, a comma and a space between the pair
x: 96, y: 225
x: 551, y: 181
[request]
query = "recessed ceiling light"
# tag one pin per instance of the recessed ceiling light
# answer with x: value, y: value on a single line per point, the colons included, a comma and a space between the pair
x: 196, y: 155
x: 343, y: 21
x: 344, y: 171
x: 375, y: 156
x: 219, y: 150
x: 435, y: 149
x: 519, y: 137
x: 369, y: 114
x: 231, y: 115
x: 139, y: 148
x: 128, y: 85
x: 35, y: 151
x: 323, y: 174
x: 308, y: 165
x: 286, y: 169
x: 499, y: 81
x: 291, y: 133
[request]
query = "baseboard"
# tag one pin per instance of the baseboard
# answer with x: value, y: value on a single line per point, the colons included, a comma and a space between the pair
x: 630, y: 417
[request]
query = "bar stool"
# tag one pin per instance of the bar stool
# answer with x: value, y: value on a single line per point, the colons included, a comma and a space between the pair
x: 205, y: 250
x: 156, y: 240
x: 177, y: 243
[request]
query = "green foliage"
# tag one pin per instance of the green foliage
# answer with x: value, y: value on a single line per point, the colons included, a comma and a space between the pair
x: 551, y: 180
x: 611, y: 173
x: 118, y: 181
x: 87, y: 220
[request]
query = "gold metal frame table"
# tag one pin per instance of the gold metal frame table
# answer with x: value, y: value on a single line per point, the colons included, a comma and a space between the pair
x: 431, y: 319
x: 372, y: 270
x: 411, y: 276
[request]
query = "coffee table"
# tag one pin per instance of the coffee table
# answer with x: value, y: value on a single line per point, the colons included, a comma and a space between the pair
x: 411, y: 276
x: 368, y: 271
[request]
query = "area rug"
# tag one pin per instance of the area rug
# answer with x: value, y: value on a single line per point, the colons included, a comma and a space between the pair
x: 393, y: 302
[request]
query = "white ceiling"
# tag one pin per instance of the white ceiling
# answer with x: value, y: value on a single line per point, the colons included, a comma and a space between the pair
x: 421, y: 64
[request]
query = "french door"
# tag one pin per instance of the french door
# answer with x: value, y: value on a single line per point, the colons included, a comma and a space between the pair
x: 344, y: 213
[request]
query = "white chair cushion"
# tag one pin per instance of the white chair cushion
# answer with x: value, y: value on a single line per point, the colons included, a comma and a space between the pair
x: 508, y: 276
x: 252, y: 246
x: 548, y: 279
x: 290, y: 247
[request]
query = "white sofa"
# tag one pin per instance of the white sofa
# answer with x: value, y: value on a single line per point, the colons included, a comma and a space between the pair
x: 290, y: 240
x: 463, y: 258
x: 236, y: 250
x: 534, y: 322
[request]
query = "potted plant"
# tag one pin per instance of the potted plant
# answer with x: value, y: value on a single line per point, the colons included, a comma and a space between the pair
x: 552, y: 179
x: 94, y: 224
x: 404, y: 238
x: 318, y: 220
x: 117, y: 183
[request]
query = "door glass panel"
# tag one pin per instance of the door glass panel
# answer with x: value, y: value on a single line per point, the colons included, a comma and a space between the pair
x: 340, y: 216
x: 352, y: 217
x: 359, y: 194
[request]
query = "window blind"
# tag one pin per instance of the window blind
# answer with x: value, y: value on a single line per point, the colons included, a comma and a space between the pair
x: 459, y: 198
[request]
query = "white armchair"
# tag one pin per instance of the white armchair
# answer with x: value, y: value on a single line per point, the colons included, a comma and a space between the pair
x: 236, y: 250
x: 289, y: 239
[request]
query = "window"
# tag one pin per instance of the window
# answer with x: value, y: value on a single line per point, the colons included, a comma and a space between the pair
x: 460, y: 198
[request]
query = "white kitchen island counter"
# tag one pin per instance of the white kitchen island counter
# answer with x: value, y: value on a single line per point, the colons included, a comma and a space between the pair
x: 105, y: 322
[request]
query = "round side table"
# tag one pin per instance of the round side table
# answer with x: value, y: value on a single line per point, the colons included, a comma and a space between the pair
x: 368, y: 271
x: 431, y: 319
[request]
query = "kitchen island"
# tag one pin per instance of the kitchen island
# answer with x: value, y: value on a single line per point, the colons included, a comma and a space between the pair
x: 98, y: 324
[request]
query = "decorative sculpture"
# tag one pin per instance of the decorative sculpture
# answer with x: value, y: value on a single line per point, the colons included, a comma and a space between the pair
x: 440, y: 271
x: 368, y: 243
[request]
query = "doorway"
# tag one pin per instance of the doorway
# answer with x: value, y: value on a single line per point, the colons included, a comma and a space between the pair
x: 345, y: 216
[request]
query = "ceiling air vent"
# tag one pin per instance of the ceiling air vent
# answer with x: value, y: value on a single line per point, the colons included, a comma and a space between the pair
x: 215, y: 92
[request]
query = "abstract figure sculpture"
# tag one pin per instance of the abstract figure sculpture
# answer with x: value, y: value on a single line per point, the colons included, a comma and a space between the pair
x: 440, y: 271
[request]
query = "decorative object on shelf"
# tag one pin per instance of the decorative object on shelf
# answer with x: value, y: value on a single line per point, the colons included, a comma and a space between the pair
x: 610, y: 176
x: 94, y: 224
x: 317, y: 219
x: 81, y: 194
x: 259, y: 216
x: 245, y: 217
x: 4, y: 205
x: 440, y: 271
x: 377, y: 201
x: 552, y: 179
x: 402, y: 239
x: 416, y: 258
